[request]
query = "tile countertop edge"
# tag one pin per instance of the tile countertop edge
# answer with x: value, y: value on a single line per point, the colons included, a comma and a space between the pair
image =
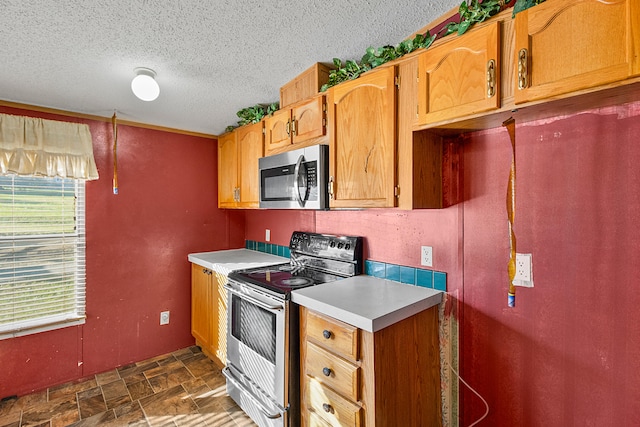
x: 226, y: 261
x: 368, y: 314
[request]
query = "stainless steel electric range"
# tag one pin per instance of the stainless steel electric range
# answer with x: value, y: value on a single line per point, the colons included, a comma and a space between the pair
x: 263, y: 358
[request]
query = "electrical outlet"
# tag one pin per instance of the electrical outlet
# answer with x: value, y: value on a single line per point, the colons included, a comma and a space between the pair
x: 524, y: 271
x: 164, y: 317
x: 426, y: 256
x: 267, y: 235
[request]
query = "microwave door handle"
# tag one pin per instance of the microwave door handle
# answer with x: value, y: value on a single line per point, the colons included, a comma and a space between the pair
x: 296, y: 186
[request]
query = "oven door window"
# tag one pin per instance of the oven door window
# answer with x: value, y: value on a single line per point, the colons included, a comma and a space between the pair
x: 255, y: 327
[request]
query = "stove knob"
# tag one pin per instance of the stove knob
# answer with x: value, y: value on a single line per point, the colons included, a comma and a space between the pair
x: 339, y: 245
x: 326, y: 334
x: 347, y: 246
x: 332, y: 244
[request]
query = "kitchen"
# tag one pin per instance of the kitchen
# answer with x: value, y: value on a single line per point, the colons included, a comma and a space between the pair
x: 565, y: 355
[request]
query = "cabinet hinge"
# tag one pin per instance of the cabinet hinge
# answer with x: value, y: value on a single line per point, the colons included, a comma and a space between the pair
x: 417, y: 75
x: 396, y: 191
x: 397, y: 81
x: 264, y: 131
x: 324, y: 107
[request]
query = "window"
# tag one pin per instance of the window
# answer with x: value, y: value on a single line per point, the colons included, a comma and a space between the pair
x: 42, y: 254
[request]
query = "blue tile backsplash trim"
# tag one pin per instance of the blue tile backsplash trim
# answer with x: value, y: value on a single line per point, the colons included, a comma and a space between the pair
x: 269, y: 248
x: 398, y: 273
x: 408, y: 275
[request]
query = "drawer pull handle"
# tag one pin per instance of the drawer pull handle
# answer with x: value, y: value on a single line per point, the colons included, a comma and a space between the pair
x: 326, y: 334
x: 326, y: 371
x: 327, y: 408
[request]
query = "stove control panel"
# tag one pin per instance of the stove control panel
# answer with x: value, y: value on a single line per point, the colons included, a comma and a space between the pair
x: 342, y: 248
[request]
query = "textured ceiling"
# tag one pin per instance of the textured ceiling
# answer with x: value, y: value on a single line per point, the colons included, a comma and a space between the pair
x: 212, y: 58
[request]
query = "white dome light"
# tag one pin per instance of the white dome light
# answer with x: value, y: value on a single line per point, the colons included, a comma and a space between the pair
x: 144, y: 85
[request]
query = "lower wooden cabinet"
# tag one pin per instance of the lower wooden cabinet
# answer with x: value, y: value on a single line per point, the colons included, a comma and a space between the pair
x: 209, y: 312
x: 352, y: 377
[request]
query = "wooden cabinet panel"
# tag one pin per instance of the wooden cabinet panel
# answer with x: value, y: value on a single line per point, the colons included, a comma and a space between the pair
x: 238, y: 154
x: 227, y: 170
x: 250, y: 149
x: 460, y: 77
x: 308, y: 120
x: 201, y: 304
x: 565, y: 46
x: 277, y: 130
x: 337, y: 336
x: 306, y: 85
x: 288, y: 127
x: 330, y: 406
x: 333, y: 371
x: 398, y: 375
x: 362, y: 116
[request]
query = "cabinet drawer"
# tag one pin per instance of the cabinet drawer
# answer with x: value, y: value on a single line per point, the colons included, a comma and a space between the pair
x: 330, y: 406
x: 333, y: 371
x: 337, y: 336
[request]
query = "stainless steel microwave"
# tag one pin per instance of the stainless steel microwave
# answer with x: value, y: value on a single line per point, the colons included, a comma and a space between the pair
x: 295, y: 179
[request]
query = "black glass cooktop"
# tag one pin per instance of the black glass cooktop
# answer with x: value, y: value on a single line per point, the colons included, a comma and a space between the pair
x: 283, y: 278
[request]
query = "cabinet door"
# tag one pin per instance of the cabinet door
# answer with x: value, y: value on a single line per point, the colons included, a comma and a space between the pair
x: 564, y: 46
x: 227, y: 170
x: 250, y: 149
x: 201, y: 305
x: 277, y: 130
x: 308, y: 120
x: 363, y: 140
x: 460, y: 77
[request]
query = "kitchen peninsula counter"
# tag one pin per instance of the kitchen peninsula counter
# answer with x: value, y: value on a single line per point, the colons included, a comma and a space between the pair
x: 226, y: 261
x: 367, y: 302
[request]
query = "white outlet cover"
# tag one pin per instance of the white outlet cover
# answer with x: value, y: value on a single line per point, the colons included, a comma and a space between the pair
x: 524, y: 271
x: 267, y: 235
x: 426, y: 256
x: 164, y: 318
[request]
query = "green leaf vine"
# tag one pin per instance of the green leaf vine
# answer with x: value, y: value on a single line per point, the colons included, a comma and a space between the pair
x: 254, y: 114
x: 471, y: 13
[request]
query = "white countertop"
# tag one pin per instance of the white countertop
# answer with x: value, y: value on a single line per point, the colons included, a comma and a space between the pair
x: 367, y: 302
x: 224, y: 262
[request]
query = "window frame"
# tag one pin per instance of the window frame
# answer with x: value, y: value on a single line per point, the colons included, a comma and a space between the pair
x: 58, y: 272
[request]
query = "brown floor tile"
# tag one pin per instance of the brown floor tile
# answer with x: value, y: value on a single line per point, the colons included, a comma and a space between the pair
x: 189, y: 391
x: 107, y: 377
x: 136, y: 369
x: 159, y: 370
x: 91, y: 402
x: 96, y: 420
x: 62, y: 409
x: 114, y: 390
x: 170, y: 379
x: 140, y: 389
x: 71, y: 387
x: 200, y: 365
x: 170, y: 402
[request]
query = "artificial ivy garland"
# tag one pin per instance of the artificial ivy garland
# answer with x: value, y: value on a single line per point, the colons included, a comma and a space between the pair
x: 471, y: 13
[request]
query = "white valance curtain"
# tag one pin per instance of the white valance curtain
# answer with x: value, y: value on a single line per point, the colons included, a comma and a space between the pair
x: 38, y: 147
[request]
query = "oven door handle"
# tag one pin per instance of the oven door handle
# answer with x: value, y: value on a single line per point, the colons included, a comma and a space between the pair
x: 226, y: 372
x: 296, y: 177
x: 255, y: 301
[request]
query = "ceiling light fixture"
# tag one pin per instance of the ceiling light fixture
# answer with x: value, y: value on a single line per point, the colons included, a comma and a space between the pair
x: 144, y: 84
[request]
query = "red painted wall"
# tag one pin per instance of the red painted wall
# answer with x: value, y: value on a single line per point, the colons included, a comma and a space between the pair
x: 137, y: 246
x: 568, y: 354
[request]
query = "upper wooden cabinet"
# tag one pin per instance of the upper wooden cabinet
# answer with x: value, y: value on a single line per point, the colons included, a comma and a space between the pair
x: 302, y: 122
x: 460, y: 77
x: 565, y: 46
x: 362, y: 149
x: 238, y: 154
x: 306, y: 85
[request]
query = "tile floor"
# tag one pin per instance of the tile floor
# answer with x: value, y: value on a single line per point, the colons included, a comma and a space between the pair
x: 183, y: 388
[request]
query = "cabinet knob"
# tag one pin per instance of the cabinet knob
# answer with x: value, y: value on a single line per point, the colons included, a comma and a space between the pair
x: 326, y: 334
x: 327, y: 408
x: 326, y: 371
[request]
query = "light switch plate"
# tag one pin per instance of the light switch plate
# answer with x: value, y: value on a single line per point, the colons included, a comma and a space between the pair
x: 267, y: 235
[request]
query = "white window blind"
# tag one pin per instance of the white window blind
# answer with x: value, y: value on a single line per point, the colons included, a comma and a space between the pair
x: 42, y: 254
